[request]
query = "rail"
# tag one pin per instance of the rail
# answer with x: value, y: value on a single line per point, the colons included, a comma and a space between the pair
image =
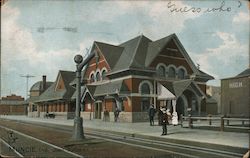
x: 179, y: 148
x: 221, y: 119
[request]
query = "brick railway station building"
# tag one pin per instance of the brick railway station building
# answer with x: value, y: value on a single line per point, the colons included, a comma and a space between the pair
x: 129, y: 76
x: 140, y: 72
x: 53, y: 97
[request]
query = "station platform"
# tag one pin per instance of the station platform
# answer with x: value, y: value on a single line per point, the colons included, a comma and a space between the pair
x: 232, y: 139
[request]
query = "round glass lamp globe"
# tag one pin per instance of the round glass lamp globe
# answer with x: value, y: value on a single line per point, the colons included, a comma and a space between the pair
x: 78, y: 59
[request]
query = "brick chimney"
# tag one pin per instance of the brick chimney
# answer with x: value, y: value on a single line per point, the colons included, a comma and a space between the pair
x: 44, y: 83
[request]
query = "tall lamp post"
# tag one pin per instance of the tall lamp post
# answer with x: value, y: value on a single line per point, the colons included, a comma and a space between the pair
x: 78, y: 122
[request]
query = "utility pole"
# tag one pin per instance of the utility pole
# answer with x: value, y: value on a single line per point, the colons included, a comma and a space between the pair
x: 27, y: 83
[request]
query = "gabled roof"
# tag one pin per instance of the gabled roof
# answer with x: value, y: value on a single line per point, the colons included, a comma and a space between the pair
x: 244, y: 73
x: 139, y: 52
x: 202, y: 75
x: 32, y: 98
x: 181, y: 86
x: 178, y: 87
x: 110, y: 88
x: 127, y: 55
x: 155, y: 47
x: 111, y: 53
x: 51, y: 94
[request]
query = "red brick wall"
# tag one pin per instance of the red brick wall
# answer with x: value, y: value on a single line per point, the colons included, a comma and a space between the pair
x: 4, y: 109
x: 12, y: 109
x: 60, y: 84
x: 136, y: 103
x: 109, y: 104
x: 169, y: 57
x: 133, y: 84
x: 58, y: 107
x: 168, y: 61
x: 93, y: 67
x: 128, y: 83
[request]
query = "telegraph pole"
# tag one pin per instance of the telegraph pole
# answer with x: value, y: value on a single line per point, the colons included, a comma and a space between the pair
x: 27, y: 83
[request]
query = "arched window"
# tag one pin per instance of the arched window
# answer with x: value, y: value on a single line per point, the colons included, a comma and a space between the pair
x: 161, y: 71
x: 98, y: 76
x: 171, y: 72
x: 104, y: 74
x: 145, y: 89
x: 92, y: 78
x: 181, y: 73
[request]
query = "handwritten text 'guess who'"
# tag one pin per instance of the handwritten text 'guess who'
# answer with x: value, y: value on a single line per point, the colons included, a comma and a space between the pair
x: 221, y: 8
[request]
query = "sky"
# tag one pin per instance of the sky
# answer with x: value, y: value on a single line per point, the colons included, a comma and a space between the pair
x: 42, y: 37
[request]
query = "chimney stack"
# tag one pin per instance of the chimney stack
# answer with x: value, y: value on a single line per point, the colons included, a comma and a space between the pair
x: 44, y: 83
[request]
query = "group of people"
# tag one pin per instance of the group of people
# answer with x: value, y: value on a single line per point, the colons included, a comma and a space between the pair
x: 164, y: 116
x: 106, y: 116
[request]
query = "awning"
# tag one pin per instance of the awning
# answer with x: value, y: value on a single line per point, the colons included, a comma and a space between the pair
x: 164, y: 93
x: 178, y: 87
x: 106, y: 89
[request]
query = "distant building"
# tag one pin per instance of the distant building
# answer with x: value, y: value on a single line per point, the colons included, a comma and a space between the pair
x: 35, y: 91
x: 12, y: 105
x: 57, y: 98
x: 134, y: 74
x: 235, y: 95
x: 213, y: 105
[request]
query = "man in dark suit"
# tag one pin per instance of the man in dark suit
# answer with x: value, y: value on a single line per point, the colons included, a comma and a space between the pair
x: 151, y: 113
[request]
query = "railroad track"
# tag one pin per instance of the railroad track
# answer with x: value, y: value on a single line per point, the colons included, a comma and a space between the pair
x: 23, y: 145
x: 180, y: 149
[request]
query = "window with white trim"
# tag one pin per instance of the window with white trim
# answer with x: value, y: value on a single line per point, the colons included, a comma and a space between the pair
x: 145, y: 88
x: 92, y: 78
x: 98, y: 76
x: 104, y: 74
x: 171, y: 72
x: 181, y: 73
x: 161, y: 71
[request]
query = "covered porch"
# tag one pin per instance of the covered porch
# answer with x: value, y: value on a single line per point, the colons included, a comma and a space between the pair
x: 184, y: 97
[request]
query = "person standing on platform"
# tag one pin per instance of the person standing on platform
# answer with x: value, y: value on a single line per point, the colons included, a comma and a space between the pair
x: 151, y: 114
x: 116, y: 113
x: 165, y: 115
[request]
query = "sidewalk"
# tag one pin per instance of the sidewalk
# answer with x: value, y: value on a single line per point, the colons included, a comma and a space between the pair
x: 174, y: 132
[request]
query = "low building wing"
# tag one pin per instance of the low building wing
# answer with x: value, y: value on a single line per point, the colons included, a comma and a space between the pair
x: 60, y: 89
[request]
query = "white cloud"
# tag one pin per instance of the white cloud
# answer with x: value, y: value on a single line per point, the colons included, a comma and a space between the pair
x: 156, y: 14
x: 241, y: 17
x: 21, y: 56
x: 230, y: 50
x: 167, y: 21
